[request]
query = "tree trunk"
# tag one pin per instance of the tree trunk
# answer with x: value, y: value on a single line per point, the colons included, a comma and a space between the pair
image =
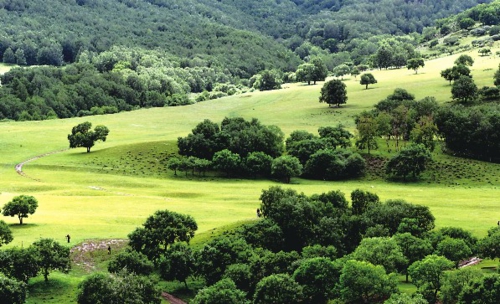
x: 88, y: 149
x: 20, y: 219
x: 46, y: 275
x: 186, y: 284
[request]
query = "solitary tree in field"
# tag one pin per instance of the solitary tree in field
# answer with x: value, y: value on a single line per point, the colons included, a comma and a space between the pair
x: 82, y: 135
x: 415, y: 64
x: 333, y: 92
x: 367, y: 79
x: 464, y: 60
x: 20, y: 206
x: 464, y: 89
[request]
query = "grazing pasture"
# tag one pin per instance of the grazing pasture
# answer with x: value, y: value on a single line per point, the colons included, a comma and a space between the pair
x: 105, y: 194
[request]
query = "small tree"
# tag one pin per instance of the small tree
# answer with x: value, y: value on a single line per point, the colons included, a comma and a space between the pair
x: 51, y: 256
x: 464, y: 89
x: 178, y: 263
x: 367, y: 79
x: 411, y: 160
x: 318, y: 276
x: 464, y: 60
x: 131, y: 261
x: 82, y: 135
x: 415, y: 64
x: 161, y: 230
x: 286, y: 167
x: 5, y: 234
x: 484, y: 52
x: 427, y: 275
x: 20, y: 206
x: 341, y: 70
x: 333, y: 92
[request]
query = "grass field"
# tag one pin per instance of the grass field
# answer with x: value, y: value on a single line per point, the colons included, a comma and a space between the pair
x: 105, y: 194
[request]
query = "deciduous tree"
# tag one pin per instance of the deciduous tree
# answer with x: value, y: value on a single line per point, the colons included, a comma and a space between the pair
x: 20, y: 206
x: 367, y: 79
x: 161, y: 230
x: 51, y: 256
x: 333, y: 92
x: 415, y: 64
x: 82, y: 135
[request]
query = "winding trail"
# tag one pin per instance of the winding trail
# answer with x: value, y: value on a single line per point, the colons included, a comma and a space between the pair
x: 19, y: 167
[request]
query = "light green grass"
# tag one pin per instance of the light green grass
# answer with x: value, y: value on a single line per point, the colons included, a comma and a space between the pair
x: 99, y: 196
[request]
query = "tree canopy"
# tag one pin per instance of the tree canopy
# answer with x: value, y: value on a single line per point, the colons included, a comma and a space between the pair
x: 20, y: 206
x: 82, y: 135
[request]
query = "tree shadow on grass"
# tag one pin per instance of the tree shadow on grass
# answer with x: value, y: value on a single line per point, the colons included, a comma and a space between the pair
x: 58, y: 289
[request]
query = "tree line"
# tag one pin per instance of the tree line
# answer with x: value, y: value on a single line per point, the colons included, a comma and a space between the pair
x: 247, y: 148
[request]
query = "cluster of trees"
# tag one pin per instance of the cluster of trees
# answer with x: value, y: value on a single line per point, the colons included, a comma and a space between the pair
x: 308, y: 249
x: 18, y: 265
x: 248, y: 148
x: 470, y: 127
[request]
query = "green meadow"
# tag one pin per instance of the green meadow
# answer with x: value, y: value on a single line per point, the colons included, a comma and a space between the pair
x: 105, y: 194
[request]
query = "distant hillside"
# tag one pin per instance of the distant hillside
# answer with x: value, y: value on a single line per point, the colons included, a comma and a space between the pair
x: 242, y: 36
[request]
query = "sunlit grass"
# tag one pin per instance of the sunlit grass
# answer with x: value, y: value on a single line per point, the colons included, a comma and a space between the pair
x: 110, y: 191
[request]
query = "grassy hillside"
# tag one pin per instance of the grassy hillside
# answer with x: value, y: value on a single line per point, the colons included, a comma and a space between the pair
x: 106, y: 193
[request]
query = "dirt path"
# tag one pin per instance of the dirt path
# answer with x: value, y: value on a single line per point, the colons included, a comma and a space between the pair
x: 171, y: 299
x: 19, y: 167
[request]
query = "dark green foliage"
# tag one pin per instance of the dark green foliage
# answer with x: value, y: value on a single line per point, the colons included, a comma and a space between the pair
x: 393, y: 213
x: 484, y: 290
x: 278, y: 288
x: 285, y: 167
x: 267, y: 80
x: 178, y: 263
x: 489, y: 246
x: 333, y: 92
x: 241, y: 275
x: 471, y: 131
x: 161, y: 230
x: 82, y: 135
x: 464, y: 89
x: 413, y: 249
x: 464, y: 60
x: 264, y: 234
x: 411, y: 160
x: 318, y: 277
x: 5, y: 234
x: 381, y: 251
x: 103, y: 288
x: 454, y: 73
x: 427, y: 275
x: 415, y: 64
x: 12, y: 291
x: 334, y: 164
x: 20, y: 206
x: 131, y: 261
x: 455, y: 281
x: 362, y: 200
x: 367, y: 79
x: 215, y: 256
x: 51, y: 256
x: 222, y: 292
x: 20, y: 263
x: 227, y: 162
x: 362, y: 282
x: 454, y: 250
x: 258, y: 163
x: 235, y: 134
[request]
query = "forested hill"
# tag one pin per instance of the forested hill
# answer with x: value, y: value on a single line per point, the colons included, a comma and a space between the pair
x: 242, y: 36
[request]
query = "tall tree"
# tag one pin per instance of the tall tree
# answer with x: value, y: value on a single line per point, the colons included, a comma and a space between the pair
x: 427, y: 275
